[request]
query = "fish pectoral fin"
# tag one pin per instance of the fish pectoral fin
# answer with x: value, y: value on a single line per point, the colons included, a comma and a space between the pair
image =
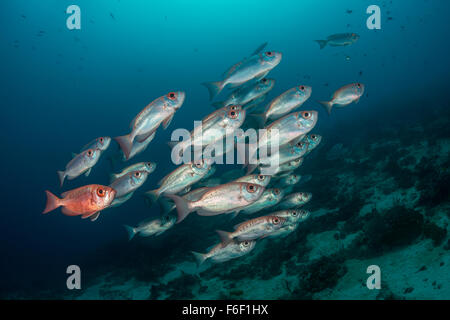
x: 88, y: 214
x: 95, y: 216
x: 168, y: 120
x: 88, y: 172
x: 145, y: 136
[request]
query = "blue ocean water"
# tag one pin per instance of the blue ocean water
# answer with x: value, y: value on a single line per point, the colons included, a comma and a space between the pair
x: 61, y: 88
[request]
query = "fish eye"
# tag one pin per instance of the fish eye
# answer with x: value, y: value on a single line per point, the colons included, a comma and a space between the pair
x: 149, y: 164
x: 260, y: 177
x: 294, y: 213
x: 276, y: 191
x: 264, y: 80
x: 300, y: 144
x: 302, y: 88
x: 137, y: 174
x: 358, y: 85
x: 90, y: 152
x: 251, y: 188
x: 269, y: 53
x: 306, y: 114
x: 313, y: 136
x: 101, y: 140
x: 275, y: 220
x: 172, y: 95
x: 233, y: 107
x: 101, y: 192
x: 232, y: 114
x: 246, y: 243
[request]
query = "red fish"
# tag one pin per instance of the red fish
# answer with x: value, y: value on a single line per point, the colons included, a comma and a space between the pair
x: 86, y: 201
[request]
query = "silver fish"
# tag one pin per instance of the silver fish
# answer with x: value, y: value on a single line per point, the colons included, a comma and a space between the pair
x: 213, y: 129
x: 101, y: 143
x: 255, y: 67
x: 289, y: 152
x: 253, y: 229
x: 339, y: 40
x: 248, y: 93
x: 220, y: 253
x: 295, y: 200
x: 269, y: 198
x: 180, y: 178
x: 260, y: 179
x: 119, y: 201
x: 344, y: 96
x: 285, y: 103
x: 289, y: 180
x: 224, y: 198
x: 288, y: 128
x: 151, y: 227
x: 81, y: 163
x: 149, y: 167
x: 129, y: 182
x: 150, y: 118
x: 138, y: 147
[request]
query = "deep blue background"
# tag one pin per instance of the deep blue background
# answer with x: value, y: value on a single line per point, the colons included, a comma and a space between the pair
x: 60, y: 89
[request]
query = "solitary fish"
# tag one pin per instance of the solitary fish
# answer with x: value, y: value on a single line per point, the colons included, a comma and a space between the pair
x: 101, y: 143
x: 182, y: 177
x: 150, y: 118
x: 224, y: 198
x: 129, y: 182
x: 284, y: 103
x: 339, y: 40
x: 150, y: 227
x: 248, y: 93
x: 81, y: 163
x: 255, y: 67
x: 220, y: 253
x: 149, y: 167
x: 86, y: 201
x: 295, y: 200
x: 269, y: 198
x: 253, y: 229
x: 344, y: 96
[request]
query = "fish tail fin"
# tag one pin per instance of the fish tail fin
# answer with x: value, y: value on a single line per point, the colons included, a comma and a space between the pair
x: 218, y: 104
x: 214, y: 88
x: 199, y: 257
x: 225, y: 237
x: 126, y: 143
x: 152, y: 195
x: 112, y: 177
x: 327, y: 105
x: 130, y: 231
x: 182, y: 205
x: 62, y: 176
x: 322, y: 43
x: 53, y: 202
x: 259, y: 118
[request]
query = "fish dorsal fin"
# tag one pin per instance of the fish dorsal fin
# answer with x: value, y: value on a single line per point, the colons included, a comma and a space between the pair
x: 259, y: 49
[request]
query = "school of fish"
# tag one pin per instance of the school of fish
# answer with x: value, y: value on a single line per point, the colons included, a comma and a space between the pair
x: 264, y: 198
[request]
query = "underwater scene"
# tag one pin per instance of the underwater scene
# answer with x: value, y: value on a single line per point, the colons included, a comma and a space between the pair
x: 225, y: 150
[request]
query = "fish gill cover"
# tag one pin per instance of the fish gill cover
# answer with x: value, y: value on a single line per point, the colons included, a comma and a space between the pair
x: 344, y: 125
